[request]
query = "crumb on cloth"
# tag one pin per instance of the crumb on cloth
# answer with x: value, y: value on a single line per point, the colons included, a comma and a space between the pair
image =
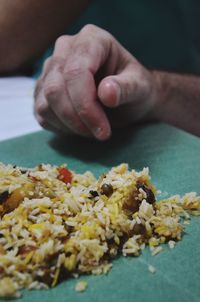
x: 81, y: 286
x: 151, y: 269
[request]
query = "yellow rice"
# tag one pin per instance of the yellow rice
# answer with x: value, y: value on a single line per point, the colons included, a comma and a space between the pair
x: 50, y: 229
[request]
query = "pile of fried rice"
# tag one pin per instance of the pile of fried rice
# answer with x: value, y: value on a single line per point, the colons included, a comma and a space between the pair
x: 55, y: 223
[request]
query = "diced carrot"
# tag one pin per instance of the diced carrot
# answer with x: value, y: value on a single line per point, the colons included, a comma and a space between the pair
x: 65, y: 175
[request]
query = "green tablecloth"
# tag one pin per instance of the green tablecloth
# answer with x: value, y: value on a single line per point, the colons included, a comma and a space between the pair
x: 174, y: 161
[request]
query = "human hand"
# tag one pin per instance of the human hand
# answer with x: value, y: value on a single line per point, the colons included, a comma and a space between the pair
x: 91, y: 84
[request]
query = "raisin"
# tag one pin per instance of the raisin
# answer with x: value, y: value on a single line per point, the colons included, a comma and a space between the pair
x: 94, y: 193
x: 150, y: 195
x: 23, y: 171
x: 4, y: 196
x: 107, y: 189
x: 139, y: 229
x: 131, y: 204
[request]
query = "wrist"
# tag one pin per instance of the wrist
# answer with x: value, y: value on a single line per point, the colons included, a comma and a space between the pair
x: 157, y: 96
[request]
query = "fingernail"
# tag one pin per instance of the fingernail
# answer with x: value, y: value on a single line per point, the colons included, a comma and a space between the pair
x: 118, y: 93
x: 101, y: 134
x: 114, y: 90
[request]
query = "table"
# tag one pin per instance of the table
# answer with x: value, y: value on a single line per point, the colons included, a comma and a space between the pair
x: 173, y: 158
x: 16, y: 113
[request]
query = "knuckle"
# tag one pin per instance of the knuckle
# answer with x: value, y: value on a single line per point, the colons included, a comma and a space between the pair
x: 84, y: 111
x: 84, y: 48
x: 96, y: 42
x: 60, y: 41
x: 53, y: 64
x: 52, y: 89
x: 94, y: 31
x: 41, y: 109
x: 89, y: 28
x: 73, y: 72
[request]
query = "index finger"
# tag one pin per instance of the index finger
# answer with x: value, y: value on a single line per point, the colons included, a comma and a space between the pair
x: 85, y: 54
x: 83, y: 95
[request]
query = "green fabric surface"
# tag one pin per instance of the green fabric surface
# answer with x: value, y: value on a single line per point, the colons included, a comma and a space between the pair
x: 174, y: 162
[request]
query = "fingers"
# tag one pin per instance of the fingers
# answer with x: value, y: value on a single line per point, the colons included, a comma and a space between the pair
x: 71, y: 99
x: 58, y: 99
x: 84, y: 58
x: 82, y: 91
x: 68, y: 86
x: 88, y: 49
x: 52, y: 103
x: 44, y: 114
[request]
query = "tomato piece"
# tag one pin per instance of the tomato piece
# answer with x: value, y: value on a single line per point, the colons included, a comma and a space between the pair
x: 65, y: 175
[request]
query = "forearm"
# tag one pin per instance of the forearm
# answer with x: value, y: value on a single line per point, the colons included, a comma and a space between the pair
x: 28, y: 27
x: 178, y: 100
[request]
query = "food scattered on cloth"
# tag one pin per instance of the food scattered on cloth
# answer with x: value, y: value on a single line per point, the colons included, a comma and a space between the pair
x: 81, y: 286
x: 152, y: 269
x: 156, y: 250
x: 55, y: 223
x: 172, y: 244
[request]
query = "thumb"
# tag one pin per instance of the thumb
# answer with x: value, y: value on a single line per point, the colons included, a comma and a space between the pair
x: 126, y: 87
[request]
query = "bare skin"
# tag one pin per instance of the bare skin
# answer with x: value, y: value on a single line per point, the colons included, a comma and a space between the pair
x: 28, y: 27
x: 91, y: 83
x: 178, y: 101
x: 91, y: 72
x: 72, y: 94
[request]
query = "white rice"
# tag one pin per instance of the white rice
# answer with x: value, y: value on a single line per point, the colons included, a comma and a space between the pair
x: 48, y: 225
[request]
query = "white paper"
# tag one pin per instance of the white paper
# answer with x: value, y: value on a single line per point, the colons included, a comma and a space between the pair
x: 16, y: 107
